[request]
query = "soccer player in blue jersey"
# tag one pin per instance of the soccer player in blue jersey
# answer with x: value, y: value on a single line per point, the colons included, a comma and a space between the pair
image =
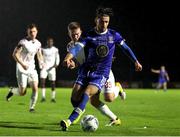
x: 100, y: 44
x: 110, y: 88
x: 163, y: 77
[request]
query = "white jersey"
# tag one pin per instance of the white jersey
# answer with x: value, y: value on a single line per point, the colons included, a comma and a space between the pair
x: 51, y: 57
x: 29, y: 50
x: 81, y: 55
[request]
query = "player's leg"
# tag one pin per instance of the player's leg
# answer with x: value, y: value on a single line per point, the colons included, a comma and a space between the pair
x: 78, y: 90
x: 122, y: 93
x: 76, y: 94
x: 43, y: 89
x: 89, y: 91
x: 165, y: 86
x: 159, y: 85
x: 21, y: 89
x: 95, y: 84
x: 43, y: 76
x: 52, y: 79
x: 53, y: 92
x: 76, y: 97
x: 110, y: 92
x: 104, y: 109
x: 33, y: 80
x: 112, y: 89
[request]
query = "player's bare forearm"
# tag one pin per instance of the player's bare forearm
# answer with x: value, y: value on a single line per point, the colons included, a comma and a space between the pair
x: 40, y: 56
x: 57, y: 60
x: 16, y: 55
x: 155, y: 71
x: 69, y: 56
x: 40, y: 59
x: 167, y: 77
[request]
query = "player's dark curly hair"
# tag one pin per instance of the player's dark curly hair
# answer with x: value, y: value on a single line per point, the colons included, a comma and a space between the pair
x: 101, y: 11
x: 32, y: 25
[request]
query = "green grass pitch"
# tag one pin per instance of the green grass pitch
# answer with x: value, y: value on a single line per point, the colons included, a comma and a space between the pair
x: 145, y: 112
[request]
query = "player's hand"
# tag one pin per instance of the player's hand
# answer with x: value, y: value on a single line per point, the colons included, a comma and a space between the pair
x: 73, y: 64
x: 138, y: 66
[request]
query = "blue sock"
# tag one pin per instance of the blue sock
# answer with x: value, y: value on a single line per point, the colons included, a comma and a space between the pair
x: 80, y: 108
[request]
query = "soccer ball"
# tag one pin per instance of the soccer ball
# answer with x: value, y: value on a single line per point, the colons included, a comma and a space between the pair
x: 89, y: 123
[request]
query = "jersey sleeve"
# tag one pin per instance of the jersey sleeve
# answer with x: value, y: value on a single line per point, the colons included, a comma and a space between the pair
x: 78, y: 46
x: 118, y: 39
x: 21, y: 43
x: 69, y: 46
x: 125, y: 48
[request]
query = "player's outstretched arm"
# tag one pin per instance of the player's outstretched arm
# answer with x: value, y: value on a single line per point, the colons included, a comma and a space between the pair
x: 127, y: 50
x: 16, y: 56
x: 155, y: 71
x: 73, y: 52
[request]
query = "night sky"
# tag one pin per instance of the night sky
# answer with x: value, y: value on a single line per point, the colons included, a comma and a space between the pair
x: 148, y: 27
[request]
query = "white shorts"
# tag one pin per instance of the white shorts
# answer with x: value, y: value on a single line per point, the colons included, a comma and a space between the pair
x: 24, y: 78
x: 110, y: 84
x: 50, y: 73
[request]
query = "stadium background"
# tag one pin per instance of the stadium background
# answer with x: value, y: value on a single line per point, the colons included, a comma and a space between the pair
x: 148, y: 27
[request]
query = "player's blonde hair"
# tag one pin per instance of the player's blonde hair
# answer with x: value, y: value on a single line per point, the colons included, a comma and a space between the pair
x: 74, y: 25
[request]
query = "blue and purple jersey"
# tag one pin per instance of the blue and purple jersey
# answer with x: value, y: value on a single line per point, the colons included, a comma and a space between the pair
x: 100, y: 48
x: 162, y: 76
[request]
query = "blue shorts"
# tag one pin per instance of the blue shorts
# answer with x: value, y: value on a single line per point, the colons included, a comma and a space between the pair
x: 92, y: 79
x: 162, y: 81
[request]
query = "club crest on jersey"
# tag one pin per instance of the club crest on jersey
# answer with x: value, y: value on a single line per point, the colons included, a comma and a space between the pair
x: 110, y: 39
x: 102, y: 51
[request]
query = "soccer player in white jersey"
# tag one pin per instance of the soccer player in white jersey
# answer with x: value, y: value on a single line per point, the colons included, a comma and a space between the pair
x: 24, y: 54
x: 74, y: 31
x: 51, y: 61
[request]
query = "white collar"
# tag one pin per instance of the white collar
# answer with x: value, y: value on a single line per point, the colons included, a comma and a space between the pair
x: 102, y: 33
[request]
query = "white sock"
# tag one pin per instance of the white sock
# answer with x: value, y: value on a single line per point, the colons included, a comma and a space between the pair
x: 15, y: 91
x: 69, y: 121
x: 116, y: 91
x: 43, y: 92
x: 104, y: 109
x: 33, y: 100
x: 53, y: 93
